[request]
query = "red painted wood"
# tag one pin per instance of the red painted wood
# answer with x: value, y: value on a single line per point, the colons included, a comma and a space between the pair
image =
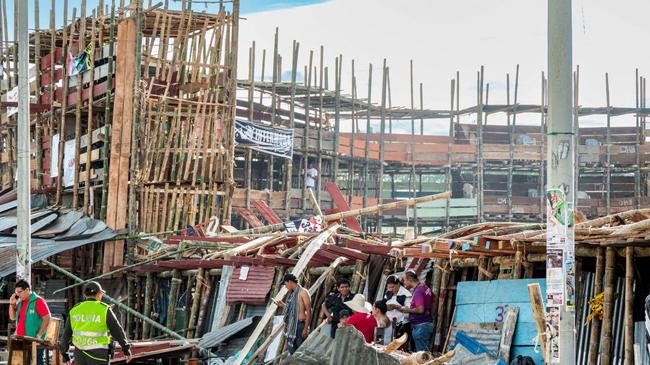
x: 249, y: 217
x: 342, y: 204
x: 266, y: 212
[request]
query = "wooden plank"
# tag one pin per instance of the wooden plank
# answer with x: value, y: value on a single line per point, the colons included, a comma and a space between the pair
x: 116, y: 217
x: 342, y: 205
x: 508, y: 332
x: 307, y: 255
x: 537, y: 306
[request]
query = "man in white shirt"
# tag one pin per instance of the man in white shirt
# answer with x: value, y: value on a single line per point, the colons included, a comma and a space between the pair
x: 397, y: 296
x: 310, y: 180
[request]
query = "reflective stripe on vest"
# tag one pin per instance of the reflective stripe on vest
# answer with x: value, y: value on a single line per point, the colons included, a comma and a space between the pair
x: 89, y: 328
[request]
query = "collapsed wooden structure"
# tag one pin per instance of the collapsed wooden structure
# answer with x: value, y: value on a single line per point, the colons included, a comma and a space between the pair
x: 239, y: 271
x: 150, y: 150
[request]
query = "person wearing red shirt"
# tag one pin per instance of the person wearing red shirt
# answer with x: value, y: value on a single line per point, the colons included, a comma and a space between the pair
x: 30, y: 312
x: 362, y: 319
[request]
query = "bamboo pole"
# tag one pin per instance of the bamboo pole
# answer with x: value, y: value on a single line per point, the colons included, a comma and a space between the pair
x: 382, y: 134
x: 594, y: 340
x: 608, y: 307
x: 356, y: 212
x: 148, y: 294
x: 64, y: 106
x: 608, y: 146
x: 205, y: 300
x: 173, y: 290
x: 38, y: 134
x: 450, y: 144
x: 289, y: 161
x: 196, y: 301
x: 107, y: 114
x: 629, y: 305
x: 337, y: 117
x: 366, y: 161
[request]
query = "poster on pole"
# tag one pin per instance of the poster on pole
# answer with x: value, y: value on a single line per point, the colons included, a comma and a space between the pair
x: 273, y: 141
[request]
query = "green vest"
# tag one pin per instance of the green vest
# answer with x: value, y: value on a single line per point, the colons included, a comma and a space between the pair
x: 89, y: 328
x: 32, y: 320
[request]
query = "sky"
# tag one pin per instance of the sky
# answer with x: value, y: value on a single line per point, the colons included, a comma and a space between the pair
x: 442, y: 37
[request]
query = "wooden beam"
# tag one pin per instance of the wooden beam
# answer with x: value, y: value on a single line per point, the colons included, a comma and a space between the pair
x: 508, y: 332
x: 594, y: 341
x: 629, y: 306
x: 537, y: 306
x: 608, y: 307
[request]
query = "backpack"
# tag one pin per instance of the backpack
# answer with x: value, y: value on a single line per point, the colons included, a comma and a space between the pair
x: 522, y: 360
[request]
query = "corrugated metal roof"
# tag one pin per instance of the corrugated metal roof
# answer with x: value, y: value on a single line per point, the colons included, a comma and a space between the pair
x: 253, y: 290
x: 65, y: 231
x: 42, y: 249
x: 214, y: 338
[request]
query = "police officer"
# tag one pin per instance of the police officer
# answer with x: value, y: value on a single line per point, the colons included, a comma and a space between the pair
x: 89, y: 327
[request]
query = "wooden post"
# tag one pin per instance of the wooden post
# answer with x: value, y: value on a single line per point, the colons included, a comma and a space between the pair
x: 542, y: 165
x: 594, y: 340
x: 518, y: 261
x: 479, y: 142
x: 81, y: 41
x: 382, y: 131
x: 637, y: 172
x: 357, y: 276
x: 511, y: 134
x: 148, y: 296
x: 173, y: 290
x: 107, y: 114
x: 608, y: 307
x: 305, y: 141
x: 608, y: 147
x: 537, y: 306
x: 194, y: 312
x: 274, y: 103
x: 351, y: 173
x: 412, y: 189
x: 450, y: 145
x: 289, y: 161
x: 319, y: 166
x: 367, y: 147
x: 38, y: 133
x: 337, y: 118
x: 629, y: 305
x: 64, y: 106
x: 441, y: 307
x: 89, y: 126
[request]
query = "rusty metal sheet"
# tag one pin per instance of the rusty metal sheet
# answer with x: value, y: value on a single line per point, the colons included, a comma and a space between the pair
x: 253, y: 289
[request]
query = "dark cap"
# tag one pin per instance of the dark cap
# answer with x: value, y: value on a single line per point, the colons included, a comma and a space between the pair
x: 92, y: 288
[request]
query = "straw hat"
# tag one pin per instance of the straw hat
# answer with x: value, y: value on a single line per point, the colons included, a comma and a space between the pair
x: 359, y: 304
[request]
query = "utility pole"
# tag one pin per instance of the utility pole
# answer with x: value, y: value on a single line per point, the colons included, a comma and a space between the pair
x: 23, y: 178
x: 560, y: 197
